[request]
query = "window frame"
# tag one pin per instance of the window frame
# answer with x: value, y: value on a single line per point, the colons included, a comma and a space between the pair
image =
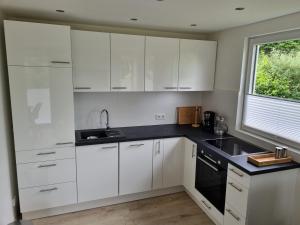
x: 248, y: 83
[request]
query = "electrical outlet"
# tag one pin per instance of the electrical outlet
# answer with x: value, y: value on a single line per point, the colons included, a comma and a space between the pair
x: 160, y: 116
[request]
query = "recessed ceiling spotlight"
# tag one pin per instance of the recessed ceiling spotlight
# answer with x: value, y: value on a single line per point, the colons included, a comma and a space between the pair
x: 134, y: 19
x: 160, y: 0
x: 60, y: 10
x: 193, y: 25
x: 239, y: 8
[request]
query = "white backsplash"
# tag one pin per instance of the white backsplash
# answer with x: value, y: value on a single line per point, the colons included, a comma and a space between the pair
x: 130, y: 109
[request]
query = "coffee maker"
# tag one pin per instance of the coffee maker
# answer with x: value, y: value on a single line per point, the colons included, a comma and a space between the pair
x: 209, y: 121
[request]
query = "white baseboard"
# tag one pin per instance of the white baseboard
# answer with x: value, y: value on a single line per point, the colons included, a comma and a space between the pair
x: 100, y: 203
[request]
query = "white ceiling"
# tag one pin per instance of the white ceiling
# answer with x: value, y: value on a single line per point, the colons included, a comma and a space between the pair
x: 168, y: 15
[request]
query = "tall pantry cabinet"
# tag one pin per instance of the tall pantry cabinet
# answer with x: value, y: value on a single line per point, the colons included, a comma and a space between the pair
x: 40, y: 79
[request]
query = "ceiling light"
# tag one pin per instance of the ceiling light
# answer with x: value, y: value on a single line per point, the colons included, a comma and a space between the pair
x: 193, y: 25
x: 239, y: 8
x: 60, y: 10
x: 160, y: 0
x: 134, y: 19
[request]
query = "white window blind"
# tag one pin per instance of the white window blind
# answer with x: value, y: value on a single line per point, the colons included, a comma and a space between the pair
x: 273, y: 116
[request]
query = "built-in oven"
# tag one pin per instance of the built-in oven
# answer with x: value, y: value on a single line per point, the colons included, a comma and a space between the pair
x: 211, y: 177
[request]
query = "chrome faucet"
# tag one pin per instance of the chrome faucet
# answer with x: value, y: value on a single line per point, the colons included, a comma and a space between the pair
x: 107, y: 117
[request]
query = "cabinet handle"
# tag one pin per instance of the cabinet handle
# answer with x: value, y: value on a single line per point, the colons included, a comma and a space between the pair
x: 235, y: 187
x: 193, y: 152
x: 233, y: 215
x: 136, y: 145
x: 208, y: 164
x: 185, y: 88
x: 82, y: 88
x: 206, y: 205
x: 64, y: 143
x: 237, y: 173
x: 119, y: 88
x: 48, y: 165
x: 46, y: 153
x: 49, y: 189
x: 170, y: 88
x: 158, y: 147
x: 60, y: 62
x: 109, y: 147
x: 210, y: 159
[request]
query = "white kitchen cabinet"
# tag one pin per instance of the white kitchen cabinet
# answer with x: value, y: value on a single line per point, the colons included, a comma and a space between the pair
x: 91, y: 61
x: 42, y: 107
x: 197, y: 65
x: 173, y: 162
x: 161, y: 64
x: 135, y: 167
x: 189, y: 171
x: 158, y: 158
x: 127, y: 62
x: 37, y: 44
x: 97, y: 171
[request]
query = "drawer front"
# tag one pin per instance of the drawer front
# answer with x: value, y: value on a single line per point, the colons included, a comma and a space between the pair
x: 50, y: 196
x: 232, y: 217
x: 211, y: 211
x: 44, y: 173
x: 237, y: 196
x: 240, y: 176
x: 45, y: 155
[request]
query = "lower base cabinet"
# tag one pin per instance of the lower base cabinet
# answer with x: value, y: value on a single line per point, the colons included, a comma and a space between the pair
x: 97, y: 171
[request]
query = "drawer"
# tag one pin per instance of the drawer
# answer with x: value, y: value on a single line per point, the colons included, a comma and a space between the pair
x: 50, y: 196
x: 237, y: 196
x: 232, y: 217
x: 44, y: 173
x: 45, y: 155
x: 211, y: 211
x: 240, y: 176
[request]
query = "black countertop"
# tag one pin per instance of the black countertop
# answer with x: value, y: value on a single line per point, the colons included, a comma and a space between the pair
x: 196, y: 135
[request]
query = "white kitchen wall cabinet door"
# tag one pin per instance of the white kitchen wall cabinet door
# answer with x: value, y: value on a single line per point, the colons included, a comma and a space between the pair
x: 158, y: 158
x: 161, y: 62
x: 42, y: 107
x: 197, y: 65
x: 135, y: 167
x: 91, y: 61
x: 127, y: 62
x: 97, y: 171
x: 37, y: 44
x: 173, y: 162
x: 189, y: 174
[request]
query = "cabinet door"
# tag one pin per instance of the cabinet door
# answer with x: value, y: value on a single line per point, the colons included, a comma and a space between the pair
x: 37, y: 44
x: 197, y: 65
x: 190, y: 154
x: 127, y: 62
x: 91, y: 61
x: 158, y: 157
x: 97, y: 171
x: 135, y: 166
x: 173, y: 162
x: 161, y: 62
x: 42, y: 107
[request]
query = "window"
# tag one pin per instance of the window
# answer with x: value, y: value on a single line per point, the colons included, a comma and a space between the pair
x: 272, y: 99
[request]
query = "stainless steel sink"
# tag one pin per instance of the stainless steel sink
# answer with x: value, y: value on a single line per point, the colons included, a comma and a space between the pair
x: 100, y: 134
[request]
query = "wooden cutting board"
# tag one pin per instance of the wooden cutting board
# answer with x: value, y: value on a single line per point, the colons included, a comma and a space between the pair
x: 189, y: 115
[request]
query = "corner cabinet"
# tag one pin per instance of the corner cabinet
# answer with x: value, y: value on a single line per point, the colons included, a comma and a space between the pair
x: 197, y: 65
x: 127, y: 62
x: 91, y: 61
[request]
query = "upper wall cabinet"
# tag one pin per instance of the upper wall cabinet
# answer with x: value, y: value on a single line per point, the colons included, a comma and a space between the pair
x: 91, y: 61
x: 36, y: 44
x: 127, y: 62
x: 161, y: 61
x: 197, y: 65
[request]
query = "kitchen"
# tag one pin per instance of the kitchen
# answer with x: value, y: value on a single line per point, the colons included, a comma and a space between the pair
x: 137, y: 75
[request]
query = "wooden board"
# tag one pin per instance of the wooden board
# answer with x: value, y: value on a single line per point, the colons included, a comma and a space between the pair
x: 188, y: 115
x: 267, y: 159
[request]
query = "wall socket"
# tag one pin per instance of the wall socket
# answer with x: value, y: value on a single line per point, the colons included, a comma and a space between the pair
x: 160, y: 116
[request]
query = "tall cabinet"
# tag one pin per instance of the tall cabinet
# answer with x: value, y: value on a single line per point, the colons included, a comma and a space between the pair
x: 40, y: 78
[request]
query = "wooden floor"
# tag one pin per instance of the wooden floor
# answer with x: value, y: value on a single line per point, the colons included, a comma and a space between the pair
x: 176, y: 209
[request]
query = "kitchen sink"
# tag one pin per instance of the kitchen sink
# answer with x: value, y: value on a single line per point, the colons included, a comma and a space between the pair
x: 99, y: 134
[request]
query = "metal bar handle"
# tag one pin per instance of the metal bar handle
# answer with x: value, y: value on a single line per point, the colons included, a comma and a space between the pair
x: 48, y: 165
x: 64, y: 143
x: 49, y: 189
x: 46, y: 153
x: 170, y: 88
x: 204, y: 203
x: 82, y: 88
x: 119, y: 88
x: 235, y: 187
x: 136, y: 145
x: 193, y: 151
x: 60, y: 62
x: 210, y: 159
x: 185, y: 88
x: 237, y: 173
x: 109, y: 147
x: 208, y: 164
x: 158, y: 149
x: 233, y: 215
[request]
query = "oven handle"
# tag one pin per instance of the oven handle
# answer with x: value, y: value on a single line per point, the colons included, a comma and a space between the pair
x: 208, y: 164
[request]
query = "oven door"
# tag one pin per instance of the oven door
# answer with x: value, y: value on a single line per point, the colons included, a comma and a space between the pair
x: 211, y: 181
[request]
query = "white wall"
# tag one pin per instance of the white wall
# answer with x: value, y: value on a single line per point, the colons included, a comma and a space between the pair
x: 130, y: 109
x: 228, y: 74
x: 7, y: 168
